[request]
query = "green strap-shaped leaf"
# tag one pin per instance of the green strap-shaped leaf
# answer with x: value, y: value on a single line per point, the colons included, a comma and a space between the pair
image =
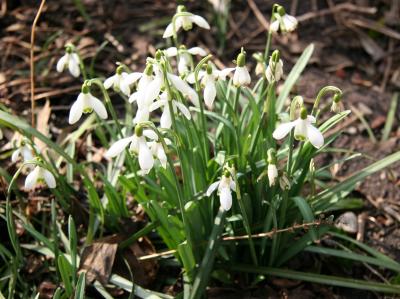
x: 293, y: 76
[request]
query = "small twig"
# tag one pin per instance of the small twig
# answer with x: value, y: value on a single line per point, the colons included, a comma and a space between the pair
x: 245, y: 237
x: 389, y: 62
x: 337, y: 8
x: 261, y: 19
x: 32, y: 63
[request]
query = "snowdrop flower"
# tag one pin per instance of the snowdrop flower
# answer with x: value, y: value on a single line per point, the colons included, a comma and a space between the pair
x: 260, y: 66
x: 220, y: 6
x: 210, y: 90
x: 275, y: 68
x: 185, y: 59
x: 336, y: 103
x: 144, y: 78
x: 137, y: 145
x: 165, y: 119
x: 285, y: 22
x: 86, y: 103
x: 225, y: 185
x: 118, y: 81
x: 185, y: 20
x: 303, y: 129
x: 23, y: 150
x: 272, y: 171
x: 241, y: 76
x: 158, y: 151
x: 70, y: 60
x: 37, y: 175
x: 184, y: 88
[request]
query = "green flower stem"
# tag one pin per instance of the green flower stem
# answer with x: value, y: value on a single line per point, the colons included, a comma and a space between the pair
x: 245, y: 219
x: 267, y: 45
x: 321, y: 93
x: 179, y: 192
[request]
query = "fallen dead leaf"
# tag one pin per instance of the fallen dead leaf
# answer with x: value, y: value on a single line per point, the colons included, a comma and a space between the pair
x: 43, y: 124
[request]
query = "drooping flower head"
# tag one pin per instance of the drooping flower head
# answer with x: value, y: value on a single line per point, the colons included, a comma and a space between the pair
x: 185, y: 60
x: 23, y: 149
x: 38, y: 175
x: 185, y: 20
x: 118, y: 81
x: 283, y: 21
x: 225, y: 187
x: 71, y: 60
x: 337, y: 98
x: 303, y: 129
x: 86, y: 103
x: 138, y: 146
x: 275, y: 68
x: 272, y: 170
x: 241, y: 77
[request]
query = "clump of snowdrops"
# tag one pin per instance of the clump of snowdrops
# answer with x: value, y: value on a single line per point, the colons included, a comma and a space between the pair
x: 220, y: 162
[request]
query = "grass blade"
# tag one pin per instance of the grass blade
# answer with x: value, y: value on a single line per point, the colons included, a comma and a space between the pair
x: 201, y: 279
x: 390, y: 117
x: 320, y: 278
x: 293, y: 76
x: 80, y: 286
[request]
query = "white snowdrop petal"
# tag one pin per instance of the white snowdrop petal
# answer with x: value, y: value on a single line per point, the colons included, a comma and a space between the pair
x: 73, y: 68
x: 197, y: 51
x: 274, y: 26
x: 311, y: 119
x: 283, y: 129
x: 133, y: 97
x: 171, y: 51
x: 210, y: 93
x: 300, y: 130
x: 225, y: 72
x: 169, y: 31
x: 61, y: 63
x: 76, y: 110
x: 212, y: 188
x: 32, y: 178
x: 98, y: 106
x: 183, y: 109
x: 15, y: 155
x: 109, y: 82
x: 232, y: 185
x: 125, y: 88
x: 118, y: 147
x: 162, y: 157
x: 150, y: 134
x: 132, y: 78
x: 49, y: 178
x: 157, y: 104
x: 26, y: 153
x: 165, y: 119
x: 153, y: 90
x: 199, y: 21
x: 225, y: 198
x: 146, y: 160
x: 315, y: 136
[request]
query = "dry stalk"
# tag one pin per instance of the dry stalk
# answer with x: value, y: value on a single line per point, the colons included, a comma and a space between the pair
x: 269, y: 234
x: 32, y: 63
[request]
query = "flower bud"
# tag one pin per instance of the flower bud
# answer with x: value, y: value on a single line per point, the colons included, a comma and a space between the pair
x: 241, y: 59
x: 336, y: 103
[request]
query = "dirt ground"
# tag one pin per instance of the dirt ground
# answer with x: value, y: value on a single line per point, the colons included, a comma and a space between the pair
x: 357, y: 49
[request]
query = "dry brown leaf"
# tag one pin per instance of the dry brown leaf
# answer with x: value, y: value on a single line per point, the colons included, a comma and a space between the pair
x: 97, y: 261
x: 43, y: 124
